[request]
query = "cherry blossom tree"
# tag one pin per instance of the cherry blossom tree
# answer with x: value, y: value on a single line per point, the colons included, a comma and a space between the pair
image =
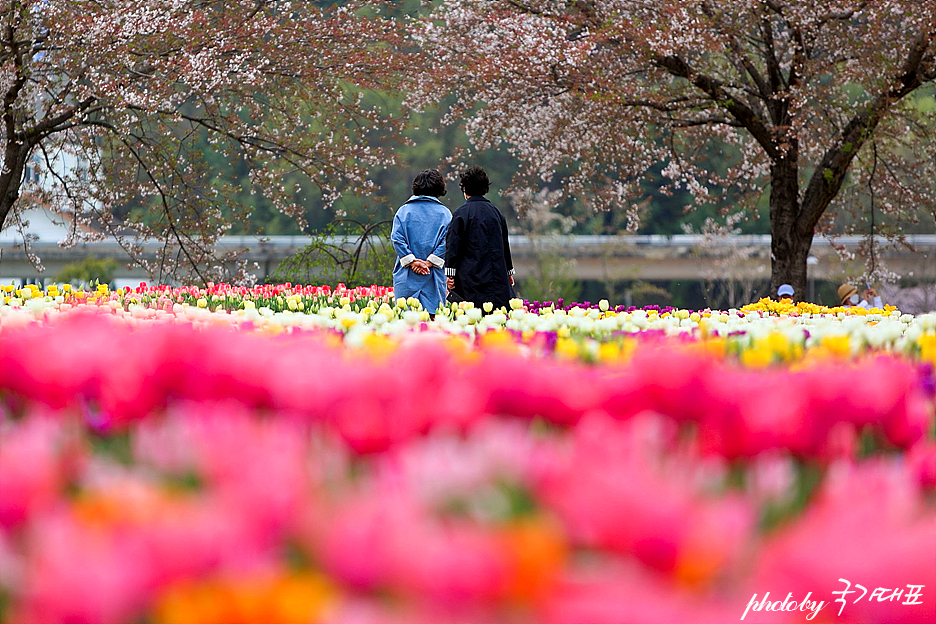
x: 818, y: 104
x: 110, y: 103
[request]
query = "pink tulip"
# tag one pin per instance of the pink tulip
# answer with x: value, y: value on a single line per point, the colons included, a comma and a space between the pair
x: 558, y: 393
x: 73, y: 574
x: 382, y: 540
x: 922, y: 462
x: 449, y: 465
x: 613, y: 592
x: 868, y: 525
x: 37, y: 460
x: 253, y: 469
x: 602, y: 488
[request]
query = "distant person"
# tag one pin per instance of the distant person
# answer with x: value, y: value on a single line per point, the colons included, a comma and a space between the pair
x: 785, y: 293
x: 848, y: 296
x: 418, y: 238
x: 478, y: 267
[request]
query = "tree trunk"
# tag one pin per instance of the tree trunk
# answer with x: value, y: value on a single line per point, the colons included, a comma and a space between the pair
x: 789, y: 246
x: 11, y: 177
x: 790, y: 267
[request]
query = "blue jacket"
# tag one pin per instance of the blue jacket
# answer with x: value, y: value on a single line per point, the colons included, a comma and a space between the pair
x: 419, y: 229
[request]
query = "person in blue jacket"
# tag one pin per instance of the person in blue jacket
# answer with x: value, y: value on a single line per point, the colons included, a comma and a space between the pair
x: 418, y: 238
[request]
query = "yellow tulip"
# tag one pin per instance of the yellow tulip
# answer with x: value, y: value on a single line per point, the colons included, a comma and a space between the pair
x: 567, y: 348
x: 928, y: 348
x: 837, y: 345
x: 756, y: 357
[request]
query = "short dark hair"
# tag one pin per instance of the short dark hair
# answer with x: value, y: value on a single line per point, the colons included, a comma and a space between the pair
x: 475, y: 181
x: 429, y: 182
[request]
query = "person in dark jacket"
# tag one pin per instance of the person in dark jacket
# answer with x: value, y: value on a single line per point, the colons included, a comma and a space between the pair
x: 478, y: 267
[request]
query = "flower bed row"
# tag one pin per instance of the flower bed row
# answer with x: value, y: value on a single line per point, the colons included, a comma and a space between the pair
x: 759, y: 335
x: 310, y: 299
x: 216, y: 297
x: 117, y: 374
x: 404, y: 471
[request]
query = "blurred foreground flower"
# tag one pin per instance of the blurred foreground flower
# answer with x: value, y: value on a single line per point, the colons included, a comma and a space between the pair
x: 192, y: 472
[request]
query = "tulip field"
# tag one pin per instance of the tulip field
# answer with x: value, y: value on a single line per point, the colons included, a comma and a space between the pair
x: 302, y: 455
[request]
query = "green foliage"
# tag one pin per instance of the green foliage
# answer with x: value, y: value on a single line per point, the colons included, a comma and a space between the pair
x: 551, y: 279
x: 345, y: 251
x: 5, y: 604
x: 775, y: 514
x: 87, y: 271
x: 115, y: 446
x: 644, y: 294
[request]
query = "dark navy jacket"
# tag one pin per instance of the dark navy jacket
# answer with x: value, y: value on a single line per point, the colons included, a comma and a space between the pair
x: 477, y: 254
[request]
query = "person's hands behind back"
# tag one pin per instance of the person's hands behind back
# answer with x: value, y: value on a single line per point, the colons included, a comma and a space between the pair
x: 420, y: 267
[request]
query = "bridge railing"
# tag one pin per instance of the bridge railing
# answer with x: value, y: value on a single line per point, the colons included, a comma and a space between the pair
x: 647, y: 257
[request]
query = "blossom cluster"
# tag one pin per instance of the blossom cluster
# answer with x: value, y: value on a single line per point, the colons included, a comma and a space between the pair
x: 574, y: 89
x: 160, y: 70
x: 200, y: 472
